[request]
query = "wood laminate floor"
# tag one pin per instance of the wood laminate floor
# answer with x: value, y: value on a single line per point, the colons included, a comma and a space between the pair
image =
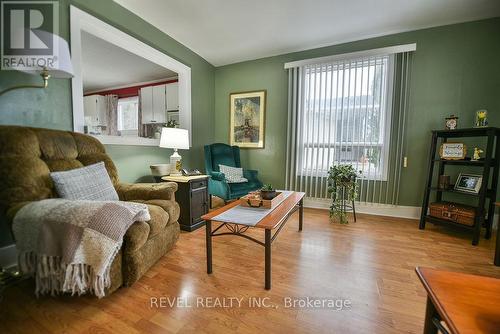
x: 370, y: 264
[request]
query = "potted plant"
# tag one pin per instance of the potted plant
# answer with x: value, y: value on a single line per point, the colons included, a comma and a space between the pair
x: 343, y: 186
x: 268, y: 192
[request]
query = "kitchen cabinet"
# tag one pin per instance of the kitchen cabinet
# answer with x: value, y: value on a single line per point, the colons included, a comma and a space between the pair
x: 159, y: 104
x: 94, y: 109
x: 157, y: 100
x: 153, y: 104
x: 172, y: 93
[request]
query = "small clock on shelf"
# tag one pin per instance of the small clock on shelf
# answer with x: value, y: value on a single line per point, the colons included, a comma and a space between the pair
x: 451, y: 122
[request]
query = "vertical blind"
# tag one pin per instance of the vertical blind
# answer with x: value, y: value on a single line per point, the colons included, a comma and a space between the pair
x: 348, y: 112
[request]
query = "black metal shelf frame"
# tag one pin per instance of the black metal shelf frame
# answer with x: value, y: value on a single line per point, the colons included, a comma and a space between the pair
x: 491, y: 160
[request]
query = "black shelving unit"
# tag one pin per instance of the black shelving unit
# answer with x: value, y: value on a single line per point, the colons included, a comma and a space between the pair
x: 488, y: 189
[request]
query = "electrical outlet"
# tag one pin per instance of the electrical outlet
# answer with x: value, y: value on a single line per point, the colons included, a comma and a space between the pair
x: 405, y: 162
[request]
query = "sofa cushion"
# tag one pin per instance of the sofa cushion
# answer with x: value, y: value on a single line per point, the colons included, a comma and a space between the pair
x: 56, y: 145
x: 85, y: 183
x: 28, y: 155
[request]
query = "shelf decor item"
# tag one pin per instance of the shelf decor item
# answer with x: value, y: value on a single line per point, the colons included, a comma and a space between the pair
x: 451, y: 122
x: 452, y: 151
x: 256, y: 200
x: 344, y: 189
x: 481, y: 118
x: 268, y: 192
x: 469, y: 183
x: 477, y: 154
x: 246, y: 128
x: 444, y: 182
x: 160, y: 169
x: 454, y: 212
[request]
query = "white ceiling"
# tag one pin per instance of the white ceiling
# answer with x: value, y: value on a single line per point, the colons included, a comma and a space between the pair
x: 105, y: 65
x: 229, y: 31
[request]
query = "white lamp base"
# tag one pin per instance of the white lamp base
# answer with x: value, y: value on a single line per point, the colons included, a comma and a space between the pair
x: 176, y: 163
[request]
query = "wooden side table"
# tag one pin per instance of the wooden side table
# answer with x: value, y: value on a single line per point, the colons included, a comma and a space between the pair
x: 193, y: 198
x: 465, y: 303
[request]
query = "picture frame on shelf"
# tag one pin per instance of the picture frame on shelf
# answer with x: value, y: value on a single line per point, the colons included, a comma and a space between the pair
x: 469, y: 183
x: 452, y: 151
x: 247, y: 119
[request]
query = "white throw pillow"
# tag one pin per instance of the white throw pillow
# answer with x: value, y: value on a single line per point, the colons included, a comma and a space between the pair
x: 233, y: 174
x: 86, y: 183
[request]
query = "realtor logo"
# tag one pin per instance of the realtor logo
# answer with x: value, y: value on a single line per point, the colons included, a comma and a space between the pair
x: 28, y: 34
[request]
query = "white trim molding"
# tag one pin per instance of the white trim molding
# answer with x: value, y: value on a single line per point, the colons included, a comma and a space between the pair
x: 354, y: 55
x: 399, y: 211
x: 82, y: 21
x: 127, y: 140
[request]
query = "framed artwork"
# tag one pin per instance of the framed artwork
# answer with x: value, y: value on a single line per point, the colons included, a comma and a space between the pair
x: 246, y: 123
x: 469, y: 183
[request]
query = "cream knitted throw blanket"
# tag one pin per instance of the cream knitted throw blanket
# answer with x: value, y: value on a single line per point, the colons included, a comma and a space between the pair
x: 69, y: 245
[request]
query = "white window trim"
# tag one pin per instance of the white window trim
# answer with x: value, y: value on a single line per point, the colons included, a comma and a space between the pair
x: 385, y: 143
x: 82, y: 21
x: 390, y: 50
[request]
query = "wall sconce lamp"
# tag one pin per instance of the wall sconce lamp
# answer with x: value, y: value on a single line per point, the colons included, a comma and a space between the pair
x: 60, y: 68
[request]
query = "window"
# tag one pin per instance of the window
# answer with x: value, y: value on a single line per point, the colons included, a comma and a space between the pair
x: 344, y: 116
x: 128, y: 113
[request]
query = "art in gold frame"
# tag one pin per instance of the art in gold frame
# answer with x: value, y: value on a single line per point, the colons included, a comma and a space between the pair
x: 247, y: 116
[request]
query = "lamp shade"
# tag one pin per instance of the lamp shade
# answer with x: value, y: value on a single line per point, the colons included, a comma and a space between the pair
x: 62, y: 67
x: 174, y: 138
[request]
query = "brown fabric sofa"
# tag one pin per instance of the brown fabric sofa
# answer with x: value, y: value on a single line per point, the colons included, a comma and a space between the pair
x: 28, y: 155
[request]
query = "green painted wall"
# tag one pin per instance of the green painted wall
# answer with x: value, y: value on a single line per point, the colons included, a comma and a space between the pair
x: 51, y: 108
x: 456, y: 70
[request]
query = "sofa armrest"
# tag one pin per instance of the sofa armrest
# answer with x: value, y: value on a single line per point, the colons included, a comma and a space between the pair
x: 218, y: 176
x: 146, y: 191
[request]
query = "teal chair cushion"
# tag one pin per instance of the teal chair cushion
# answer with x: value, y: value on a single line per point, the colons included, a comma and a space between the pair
x: 241, y: 189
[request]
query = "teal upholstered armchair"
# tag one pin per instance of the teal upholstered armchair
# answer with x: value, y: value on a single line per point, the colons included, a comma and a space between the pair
x: 222, y: 154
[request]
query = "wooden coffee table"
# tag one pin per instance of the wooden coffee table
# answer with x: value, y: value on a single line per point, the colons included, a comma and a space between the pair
x: 273, y: 221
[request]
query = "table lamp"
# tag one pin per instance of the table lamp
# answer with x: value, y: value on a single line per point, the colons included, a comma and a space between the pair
x: 178, y: 139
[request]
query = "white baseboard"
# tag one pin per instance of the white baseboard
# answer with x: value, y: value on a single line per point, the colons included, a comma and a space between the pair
x: 400, y: 211
x: 8, y: 256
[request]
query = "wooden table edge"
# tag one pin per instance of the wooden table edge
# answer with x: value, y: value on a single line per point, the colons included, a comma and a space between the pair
x: 430, y: 294
x: 211, y: 215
